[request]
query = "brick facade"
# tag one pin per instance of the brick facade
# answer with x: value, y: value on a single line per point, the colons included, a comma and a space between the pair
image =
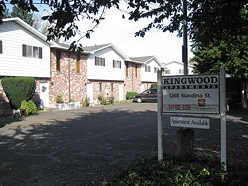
x: 133, y: 77
x: 68, y: 82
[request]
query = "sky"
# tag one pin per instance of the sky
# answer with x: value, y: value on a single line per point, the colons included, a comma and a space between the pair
x: 167, y: 47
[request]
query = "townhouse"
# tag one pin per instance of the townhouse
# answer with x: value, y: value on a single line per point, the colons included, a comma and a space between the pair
x: 100, y: 69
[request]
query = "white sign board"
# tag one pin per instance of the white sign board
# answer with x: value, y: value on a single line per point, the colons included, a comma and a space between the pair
x: 191, y: 94
x: 189, y: 122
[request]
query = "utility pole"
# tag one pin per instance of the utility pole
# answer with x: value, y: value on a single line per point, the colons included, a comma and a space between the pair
x: 185, y: 38
x: 185, y: 136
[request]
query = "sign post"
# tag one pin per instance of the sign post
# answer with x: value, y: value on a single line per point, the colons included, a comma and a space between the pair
x: 223, y: 117
x: 188, y: 97
x: 159, y: 112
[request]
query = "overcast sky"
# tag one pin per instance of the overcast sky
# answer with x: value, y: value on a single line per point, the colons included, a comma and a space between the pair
x: 167, y: 47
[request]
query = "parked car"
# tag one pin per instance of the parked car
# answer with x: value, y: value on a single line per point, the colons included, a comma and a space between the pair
x: 149, y: 95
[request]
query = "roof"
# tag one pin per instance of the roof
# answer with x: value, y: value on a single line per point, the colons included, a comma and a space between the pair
x: 29, y: 28
x: 180, y: 63
x: 144, y: 59
x: 94, y: 48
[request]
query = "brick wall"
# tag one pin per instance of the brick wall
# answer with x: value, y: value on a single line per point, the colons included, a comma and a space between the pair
x: 133, y: 77
x: 67, y: 81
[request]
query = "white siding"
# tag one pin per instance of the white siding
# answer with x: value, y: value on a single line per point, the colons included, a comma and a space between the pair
x: 106, y: 72
x: 149, y: 76
x: 174, y: 68
x: 12, y: 63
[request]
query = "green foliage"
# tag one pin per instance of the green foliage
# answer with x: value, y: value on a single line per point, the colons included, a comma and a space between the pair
x: 102, y: 99
x: 59, y: 98
x: 18, y: 89
x: 86, y: 102
x: 22, y: 14
x: 131, y: 94
x: 30, y: 107
x: 180, y: 171
x: 154, y: 85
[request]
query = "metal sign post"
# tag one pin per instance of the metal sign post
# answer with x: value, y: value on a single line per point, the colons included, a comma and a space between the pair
x: 160, y: 108
x: 223, y: 117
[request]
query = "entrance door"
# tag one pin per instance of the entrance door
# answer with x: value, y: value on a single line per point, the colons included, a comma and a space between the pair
x: 89, y: 92
x: 44, y: 93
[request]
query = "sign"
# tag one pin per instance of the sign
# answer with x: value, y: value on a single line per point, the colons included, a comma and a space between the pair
x: 189, y: 122
x: 191, y: 94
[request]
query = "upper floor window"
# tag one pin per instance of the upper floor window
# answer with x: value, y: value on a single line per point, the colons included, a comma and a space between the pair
x: 180, y: 71
x: 156, y: 69
x: 99, y: 61
x: 147, y: 68
x: 31, y: 51
x: 167, y: 71
x: 78, y: 63
x: 116, y: 64
x: 1, y: 47
x: 58, y: 57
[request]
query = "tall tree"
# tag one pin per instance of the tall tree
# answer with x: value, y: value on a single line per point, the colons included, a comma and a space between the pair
x: 211, y: 23
x: 22, y: 14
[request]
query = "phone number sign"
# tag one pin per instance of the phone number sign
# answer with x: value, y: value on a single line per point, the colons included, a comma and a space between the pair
x: 191, y: 94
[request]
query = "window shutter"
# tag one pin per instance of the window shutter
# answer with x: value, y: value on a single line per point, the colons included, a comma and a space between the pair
x: 24, y: 50
x: 1, y: 47
x: 40, y: 52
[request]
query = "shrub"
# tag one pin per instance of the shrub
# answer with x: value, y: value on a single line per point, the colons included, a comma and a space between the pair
x: 30, y: 107
x: 18, y: 89
x: 153, y: 85
x: 102, y: 99
x: 59, y: 98
x: 86, y: 102
x: 180, y: 170
x: 130, y: 95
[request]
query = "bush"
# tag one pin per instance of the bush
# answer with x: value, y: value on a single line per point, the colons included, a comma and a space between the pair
x: 130, y: 95
x: 86, y: 102
x: 153, y: 85
x: 102, y: 99
x: 18, y: 89
x: 180, y: 170
x: 59, y: 98
x: 30, y: 107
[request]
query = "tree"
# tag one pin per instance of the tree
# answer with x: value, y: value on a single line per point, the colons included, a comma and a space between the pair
x: 22, y: 14
x: 210, y: 22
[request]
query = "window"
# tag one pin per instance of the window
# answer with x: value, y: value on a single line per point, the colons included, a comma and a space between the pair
x: 78, y: 63
x: 156, y: 69
x: 167, y: 71
x: 58, y: 57
x: 31, y: 51
x: 100, y: 86
x: 116, y: 64
x: 147, y: 68
x: 1, y: 47
x: 180, y: 71
x: 99, y: 61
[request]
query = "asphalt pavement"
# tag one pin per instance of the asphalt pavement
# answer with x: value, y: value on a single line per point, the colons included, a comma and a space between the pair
x: 85, y: 146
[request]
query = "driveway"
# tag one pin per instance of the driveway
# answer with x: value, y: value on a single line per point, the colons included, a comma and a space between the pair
x: 84, y: 146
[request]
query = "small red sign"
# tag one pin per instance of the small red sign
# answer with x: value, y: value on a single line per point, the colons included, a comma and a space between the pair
x: 201, y: 102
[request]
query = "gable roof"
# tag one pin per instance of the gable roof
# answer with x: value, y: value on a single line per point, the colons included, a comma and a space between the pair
x: 176, y: 62
x: 29, y: 28
x: 95, y: 48
x: 144, y: 59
